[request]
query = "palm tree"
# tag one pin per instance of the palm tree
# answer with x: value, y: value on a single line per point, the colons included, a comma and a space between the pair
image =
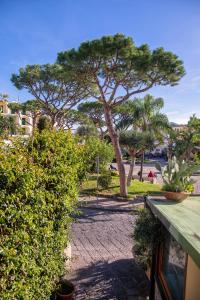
x: 144, y: 114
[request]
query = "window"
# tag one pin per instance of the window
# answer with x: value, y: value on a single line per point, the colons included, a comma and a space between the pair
x: 23, y: 121
x: 172, y: 268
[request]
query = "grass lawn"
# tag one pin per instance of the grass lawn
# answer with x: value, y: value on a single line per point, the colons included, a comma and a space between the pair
x: 89, y: 187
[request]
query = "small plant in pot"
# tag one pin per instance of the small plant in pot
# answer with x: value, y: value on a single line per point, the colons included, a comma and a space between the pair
x: 65, y: 290
x: 177, y: 179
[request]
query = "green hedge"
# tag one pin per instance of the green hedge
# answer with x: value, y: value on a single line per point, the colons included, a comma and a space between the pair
x: 105, y: 179
x: 38, y: 192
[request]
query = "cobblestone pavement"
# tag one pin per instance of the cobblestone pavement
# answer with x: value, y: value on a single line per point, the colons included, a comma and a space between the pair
x: 102, y: 265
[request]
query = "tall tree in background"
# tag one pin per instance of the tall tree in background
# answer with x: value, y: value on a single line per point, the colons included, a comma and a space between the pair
x: 55, y: 89
x: 118, y: 70
x: 35, y: 110
x: 94, y: 112
x: 171, y: 138
x: 194, y: 125
x: 15, y: 107
x: 187, y: 144
x: 144, y: 115
x: 135, y: 142
x: 70, y: 118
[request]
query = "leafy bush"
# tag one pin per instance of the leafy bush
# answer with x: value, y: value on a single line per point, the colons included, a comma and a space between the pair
x: 44, y: 123
x: 38, y: 192
x: 105, y: 180
x: 147, y: 234
x: 96, y: 148
x: 114, y: 173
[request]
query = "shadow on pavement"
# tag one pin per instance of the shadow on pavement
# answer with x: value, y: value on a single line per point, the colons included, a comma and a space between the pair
x: 121, y: 279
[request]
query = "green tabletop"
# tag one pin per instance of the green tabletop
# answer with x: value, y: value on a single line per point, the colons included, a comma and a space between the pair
x: 182, y: 220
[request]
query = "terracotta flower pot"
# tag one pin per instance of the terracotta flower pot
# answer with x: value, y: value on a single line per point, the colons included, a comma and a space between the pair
x: 177, y: 196
x: 66, y: 294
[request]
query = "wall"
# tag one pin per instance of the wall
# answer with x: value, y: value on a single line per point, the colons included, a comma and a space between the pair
x: 192, y: 291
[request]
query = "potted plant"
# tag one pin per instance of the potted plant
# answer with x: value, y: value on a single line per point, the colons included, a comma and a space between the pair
x: 177, y: 179
x: 65, y: 290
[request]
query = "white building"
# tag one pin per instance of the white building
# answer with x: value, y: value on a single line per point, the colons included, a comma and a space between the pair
x: 23, y: 119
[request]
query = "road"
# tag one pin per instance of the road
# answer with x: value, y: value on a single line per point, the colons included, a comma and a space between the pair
x: 151, y: 167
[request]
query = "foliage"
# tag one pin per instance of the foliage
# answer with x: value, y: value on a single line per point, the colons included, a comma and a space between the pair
x: 15, y: 106
x: 176, y: 175
x: 113, y: 69
x: 145, y: 114
x: 86, y: 131
x: 34, y: 108
x: 114, y: 173
x: 147, y: 235
x: 114, y: 63
x: 7, y: 126
x: 187, y: 144
x: 43, y: 123
x: 54, y: 88
x: 184, y: 145
x: 136, y: 141
x: 38, y: 192
x: 71, y: 117
x: 100, y: 150
x: 94, y: 112
x: 105, y: 179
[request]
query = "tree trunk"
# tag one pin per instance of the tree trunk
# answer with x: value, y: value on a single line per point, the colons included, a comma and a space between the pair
x: 34, y: 118
x: 141, y: 166
x: 117, y: 150
x: 130, y: 174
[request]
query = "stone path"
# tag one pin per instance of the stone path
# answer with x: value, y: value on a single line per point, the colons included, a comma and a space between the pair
x: 102, y: 263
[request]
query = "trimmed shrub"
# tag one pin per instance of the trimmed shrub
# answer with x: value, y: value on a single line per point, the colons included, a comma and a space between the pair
x: 38, y: 192
x: 105, y: 180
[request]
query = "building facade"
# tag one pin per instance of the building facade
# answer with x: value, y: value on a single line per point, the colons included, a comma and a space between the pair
x: 23, y: 119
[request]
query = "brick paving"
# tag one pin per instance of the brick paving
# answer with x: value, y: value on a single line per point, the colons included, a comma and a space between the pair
x: 102, y: 264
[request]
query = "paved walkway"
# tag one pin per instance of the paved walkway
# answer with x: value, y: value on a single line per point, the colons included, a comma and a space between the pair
x: 102, y: 263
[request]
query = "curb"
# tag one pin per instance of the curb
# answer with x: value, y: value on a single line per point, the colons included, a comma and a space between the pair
x: 127, y: 210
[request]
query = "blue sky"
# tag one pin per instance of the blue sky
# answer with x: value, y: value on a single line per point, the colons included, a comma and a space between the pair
x: 34, y: 31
